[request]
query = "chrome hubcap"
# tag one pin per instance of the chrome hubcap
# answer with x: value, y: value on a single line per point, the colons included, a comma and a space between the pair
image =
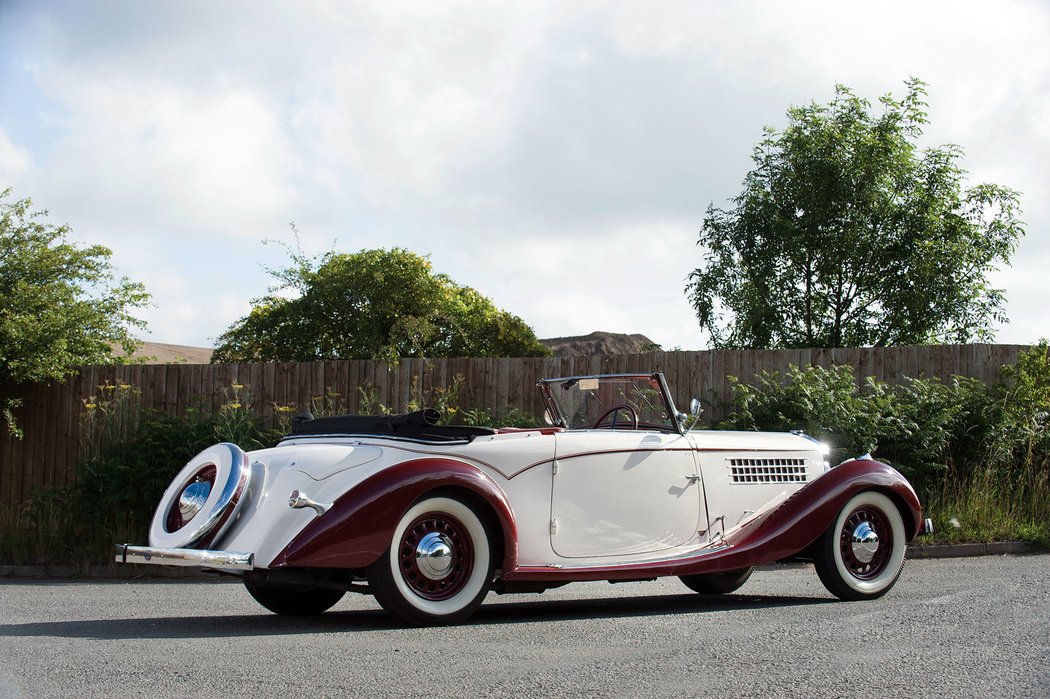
x: 865, y: 542
x: 434, y: 556
x: 193, y: 498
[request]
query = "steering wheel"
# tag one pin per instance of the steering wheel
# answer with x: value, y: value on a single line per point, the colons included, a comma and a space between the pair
x: 624, y: 407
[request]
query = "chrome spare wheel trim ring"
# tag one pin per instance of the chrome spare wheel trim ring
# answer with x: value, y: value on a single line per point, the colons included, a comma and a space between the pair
x: 229, y: 500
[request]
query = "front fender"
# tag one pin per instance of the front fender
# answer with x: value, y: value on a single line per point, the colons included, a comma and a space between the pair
x: 798, y: 521
x: 358, y: 528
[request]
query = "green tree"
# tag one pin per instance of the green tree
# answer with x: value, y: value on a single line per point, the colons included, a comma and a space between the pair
x: 848, y: 234
x: 374, y: 304
x: 61, y: 307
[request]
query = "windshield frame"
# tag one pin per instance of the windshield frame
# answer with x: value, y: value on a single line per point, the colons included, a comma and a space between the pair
x: 556, y: 416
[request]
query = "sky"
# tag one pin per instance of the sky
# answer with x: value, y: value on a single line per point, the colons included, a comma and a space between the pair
x: 557, y: 156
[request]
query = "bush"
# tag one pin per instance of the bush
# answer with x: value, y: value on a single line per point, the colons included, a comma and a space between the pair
x: 132, y: 455
x: 979, y: 456
x: 917, y: 426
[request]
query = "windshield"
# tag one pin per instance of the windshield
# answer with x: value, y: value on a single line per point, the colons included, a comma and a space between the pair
x: 610, y: 402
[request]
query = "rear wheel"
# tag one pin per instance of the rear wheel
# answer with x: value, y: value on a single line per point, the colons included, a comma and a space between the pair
x: 438, y: 566
x: 861, y: 555
x: 293, y: 602
x: 717, y: 583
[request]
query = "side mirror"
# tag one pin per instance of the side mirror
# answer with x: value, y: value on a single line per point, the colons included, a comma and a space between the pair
x: 694, y: 411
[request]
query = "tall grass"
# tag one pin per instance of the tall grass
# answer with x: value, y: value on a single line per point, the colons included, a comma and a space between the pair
x: 992, y: 506
x: 1005, y: 493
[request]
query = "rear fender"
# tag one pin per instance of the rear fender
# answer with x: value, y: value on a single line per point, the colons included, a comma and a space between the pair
x: 358, y: 528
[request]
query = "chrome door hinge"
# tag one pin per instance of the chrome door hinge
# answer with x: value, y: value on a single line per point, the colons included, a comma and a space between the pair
x: 554, y: 525
x: 554, y: 467
x: 694, y: 478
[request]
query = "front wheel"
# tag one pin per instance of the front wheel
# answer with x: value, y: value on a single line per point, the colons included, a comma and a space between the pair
x: 438, y: 566
x: 293, y: 602
x: 717, y: 583
x: 861, y: 555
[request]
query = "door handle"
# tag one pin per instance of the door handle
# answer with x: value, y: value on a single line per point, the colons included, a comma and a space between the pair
x: 693, y: 478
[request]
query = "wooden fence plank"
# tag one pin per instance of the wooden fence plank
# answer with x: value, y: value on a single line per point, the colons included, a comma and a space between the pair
x: 51, y: 415
x: 57, y: 431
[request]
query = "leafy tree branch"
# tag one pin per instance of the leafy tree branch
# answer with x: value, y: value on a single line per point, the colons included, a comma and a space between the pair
x: 847, y: 233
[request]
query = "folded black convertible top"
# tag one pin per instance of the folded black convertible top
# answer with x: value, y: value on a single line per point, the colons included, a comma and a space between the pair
x: 420, y: 425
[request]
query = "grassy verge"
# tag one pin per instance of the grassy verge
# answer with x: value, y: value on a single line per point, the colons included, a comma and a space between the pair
x: 993, y: 506
x: 52, y: 535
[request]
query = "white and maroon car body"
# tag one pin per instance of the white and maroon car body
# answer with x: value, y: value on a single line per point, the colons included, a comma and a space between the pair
x: 430, y: 518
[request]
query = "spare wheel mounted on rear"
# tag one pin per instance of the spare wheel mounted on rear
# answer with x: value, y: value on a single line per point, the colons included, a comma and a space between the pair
x: 202, y: 500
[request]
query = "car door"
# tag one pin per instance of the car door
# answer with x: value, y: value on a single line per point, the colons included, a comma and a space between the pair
x: 621, y: 493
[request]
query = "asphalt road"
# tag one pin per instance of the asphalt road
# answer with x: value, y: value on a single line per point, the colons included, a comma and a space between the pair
x: 951, y: 628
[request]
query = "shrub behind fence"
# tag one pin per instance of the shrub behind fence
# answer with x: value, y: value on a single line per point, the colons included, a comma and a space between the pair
x: 51, y: 415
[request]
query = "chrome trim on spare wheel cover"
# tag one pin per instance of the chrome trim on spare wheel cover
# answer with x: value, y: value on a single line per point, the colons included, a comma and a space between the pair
x: 232, y: 470
x: 192, y: 499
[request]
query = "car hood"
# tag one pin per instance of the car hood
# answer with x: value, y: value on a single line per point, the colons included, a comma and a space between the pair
x: 752, y: 441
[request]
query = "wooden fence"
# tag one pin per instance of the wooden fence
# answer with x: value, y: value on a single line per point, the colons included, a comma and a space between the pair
x: 51, y: 415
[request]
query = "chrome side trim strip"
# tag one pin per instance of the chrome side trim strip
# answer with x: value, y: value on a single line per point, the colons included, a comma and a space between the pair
x: 713, y: 547
x: 218, y: 560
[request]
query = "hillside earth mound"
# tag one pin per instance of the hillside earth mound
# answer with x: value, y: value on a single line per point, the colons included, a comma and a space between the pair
x: 600, y: 343
x: 586, y: 345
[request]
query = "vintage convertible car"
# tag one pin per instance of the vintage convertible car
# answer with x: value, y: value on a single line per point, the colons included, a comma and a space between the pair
x: 429, y: 518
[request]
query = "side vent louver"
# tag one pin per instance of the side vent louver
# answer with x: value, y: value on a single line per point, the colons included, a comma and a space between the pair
x: 768, y: 470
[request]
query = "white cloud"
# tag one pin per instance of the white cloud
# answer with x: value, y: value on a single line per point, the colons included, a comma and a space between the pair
x: 15, y: 162
x: 403, y: 108
x: 194, y: 159
x: 182, y: 306
x: 630, y: 281
x: 558, y: 157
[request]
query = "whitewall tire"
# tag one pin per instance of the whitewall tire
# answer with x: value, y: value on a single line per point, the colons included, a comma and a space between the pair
x: 438, y: 566
x: 861, y: 555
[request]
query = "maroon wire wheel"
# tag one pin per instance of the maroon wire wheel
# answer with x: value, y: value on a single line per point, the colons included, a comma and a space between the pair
x: 436, y: 556
x: 439, y: 565
x: 865, y: 542
x: 861, y: 553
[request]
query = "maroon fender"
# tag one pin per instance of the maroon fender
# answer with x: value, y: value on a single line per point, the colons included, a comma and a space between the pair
x: 802, y: 518
x: 358, y: 528
x: 785, y: 531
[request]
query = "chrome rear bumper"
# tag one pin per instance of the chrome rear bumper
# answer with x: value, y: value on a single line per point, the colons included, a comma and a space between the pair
x: 217, y: 560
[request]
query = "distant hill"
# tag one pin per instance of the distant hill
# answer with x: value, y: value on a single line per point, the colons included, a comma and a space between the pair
x: 596, y: 343
x: 160, y: 353
x: 600, y: 343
